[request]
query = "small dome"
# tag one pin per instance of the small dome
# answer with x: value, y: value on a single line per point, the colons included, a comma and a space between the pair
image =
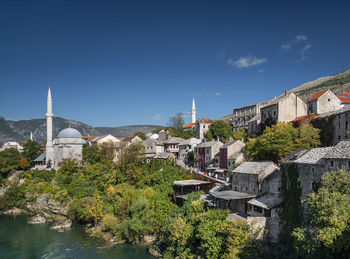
x: 69, y: 133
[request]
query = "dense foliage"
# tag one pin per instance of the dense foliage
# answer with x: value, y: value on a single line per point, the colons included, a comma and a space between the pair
x: 326, y: 231
x: 220, y: 130
x: 281, y: 139
x: 31, y: 150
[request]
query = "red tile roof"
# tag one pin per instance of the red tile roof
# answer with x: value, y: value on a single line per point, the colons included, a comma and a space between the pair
x: 344, y: 99
x: 128, y: 138
x: 90, y: 138
x: 316, y: 96
x: 299, y: 118
x: 205, y: 120
x: 22, y: 143
x: 190, y: 125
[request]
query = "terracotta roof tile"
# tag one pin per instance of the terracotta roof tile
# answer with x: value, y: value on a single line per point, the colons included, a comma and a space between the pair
x: 299, y: 118
x: 316, y: 96
x: 90, y: 138
x: 205, y: 120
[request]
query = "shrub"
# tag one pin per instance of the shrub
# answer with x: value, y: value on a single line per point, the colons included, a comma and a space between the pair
x: 13, y: 197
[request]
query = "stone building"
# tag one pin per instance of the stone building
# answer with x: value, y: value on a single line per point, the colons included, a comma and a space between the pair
x: 67, y: 145
x: 230, y: 153
x: 153, y: 147
x: 250, y: 176
x: 172, y: 145
x: 205, y: 153
x: 200, y: 127
x: 104, y: 139
x: 187, y: 146
x: 321, y: 102
x: 338, y: 156
x: 311, y: 166
x: 283, y: 108
x: 242, y: 116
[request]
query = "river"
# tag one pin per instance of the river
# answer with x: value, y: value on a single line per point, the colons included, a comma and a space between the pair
x: 21, y: 240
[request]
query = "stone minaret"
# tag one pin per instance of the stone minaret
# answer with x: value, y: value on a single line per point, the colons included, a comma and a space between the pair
x: 31, y: 136
x: 49, y: 144
x: 193, y: 113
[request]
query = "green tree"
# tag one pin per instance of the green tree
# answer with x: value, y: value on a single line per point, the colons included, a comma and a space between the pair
x: 31, y: 150
x: 107, y: 150
x: 241, y: 134
x: 328, y: 217
x: 140, y: 134
x: 177, y: 121
x: 281, y: 139
x: 9, y: 160
x: 221, y: 130
x: 91, y: 154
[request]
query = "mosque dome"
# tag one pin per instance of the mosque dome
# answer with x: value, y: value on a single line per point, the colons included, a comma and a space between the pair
x: 69, y: 133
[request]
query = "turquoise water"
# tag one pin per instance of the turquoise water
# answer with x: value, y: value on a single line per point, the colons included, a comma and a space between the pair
x: 21, y: 240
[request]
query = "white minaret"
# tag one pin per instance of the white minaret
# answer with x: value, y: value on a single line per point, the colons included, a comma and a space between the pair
x: 193, y: 113
x: 31, y: 136
x: 49, y: 115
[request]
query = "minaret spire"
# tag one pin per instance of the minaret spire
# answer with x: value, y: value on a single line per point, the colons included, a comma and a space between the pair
x: 49, y: 143
x: 193, y: 113
x: 31, y: 136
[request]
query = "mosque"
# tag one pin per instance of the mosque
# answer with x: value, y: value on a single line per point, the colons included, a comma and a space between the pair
x: 68, y: 143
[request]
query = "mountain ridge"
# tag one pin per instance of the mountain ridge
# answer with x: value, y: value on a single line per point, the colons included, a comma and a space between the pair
x: 11, y: 130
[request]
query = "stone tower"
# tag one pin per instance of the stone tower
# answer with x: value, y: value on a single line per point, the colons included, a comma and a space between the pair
x: 193, y: 113
x: 49, y: 144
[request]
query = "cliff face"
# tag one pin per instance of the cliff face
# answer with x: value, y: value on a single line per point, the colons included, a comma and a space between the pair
x: 20, y: 130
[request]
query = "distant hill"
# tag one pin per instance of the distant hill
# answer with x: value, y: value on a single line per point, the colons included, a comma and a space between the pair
x: 336, y: 83
x: 20, y: 130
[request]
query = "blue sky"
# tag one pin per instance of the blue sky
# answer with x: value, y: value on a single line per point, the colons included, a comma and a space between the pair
x: 114, y: 63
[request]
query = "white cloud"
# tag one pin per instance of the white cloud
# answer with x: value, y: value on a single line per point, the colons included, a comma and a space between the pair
x: 261, y: 70
x: 248, y: 61
x: 286, y: 47
x: 217, y: 94
x: 300, y: 38
x: 157, y: 117
x: 304, y: 50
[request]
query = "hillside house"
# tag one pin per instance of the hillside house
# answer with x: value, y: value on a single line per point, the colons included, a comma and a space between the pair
x: 205, y: 153
x: 200, y: 127
x: 324, y: 101
x: 187, y: 146
x: 311, y: 165
x: 230, y: 153
x: 283, y: 108
x: 152, y: 147
x: 172, y: 145
x: 241, y: 116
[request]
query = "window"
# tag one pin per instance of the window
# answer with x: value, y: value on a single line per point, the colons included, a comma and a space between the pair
x: 246, y: 189
x: 332, y: 163
x: 279, y: 189
x: 313, y: 169
x: 257, y: 209
x: 235, y: 188
x: 274, y: 113
x: 349, y: 164
x: 329, y: 100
